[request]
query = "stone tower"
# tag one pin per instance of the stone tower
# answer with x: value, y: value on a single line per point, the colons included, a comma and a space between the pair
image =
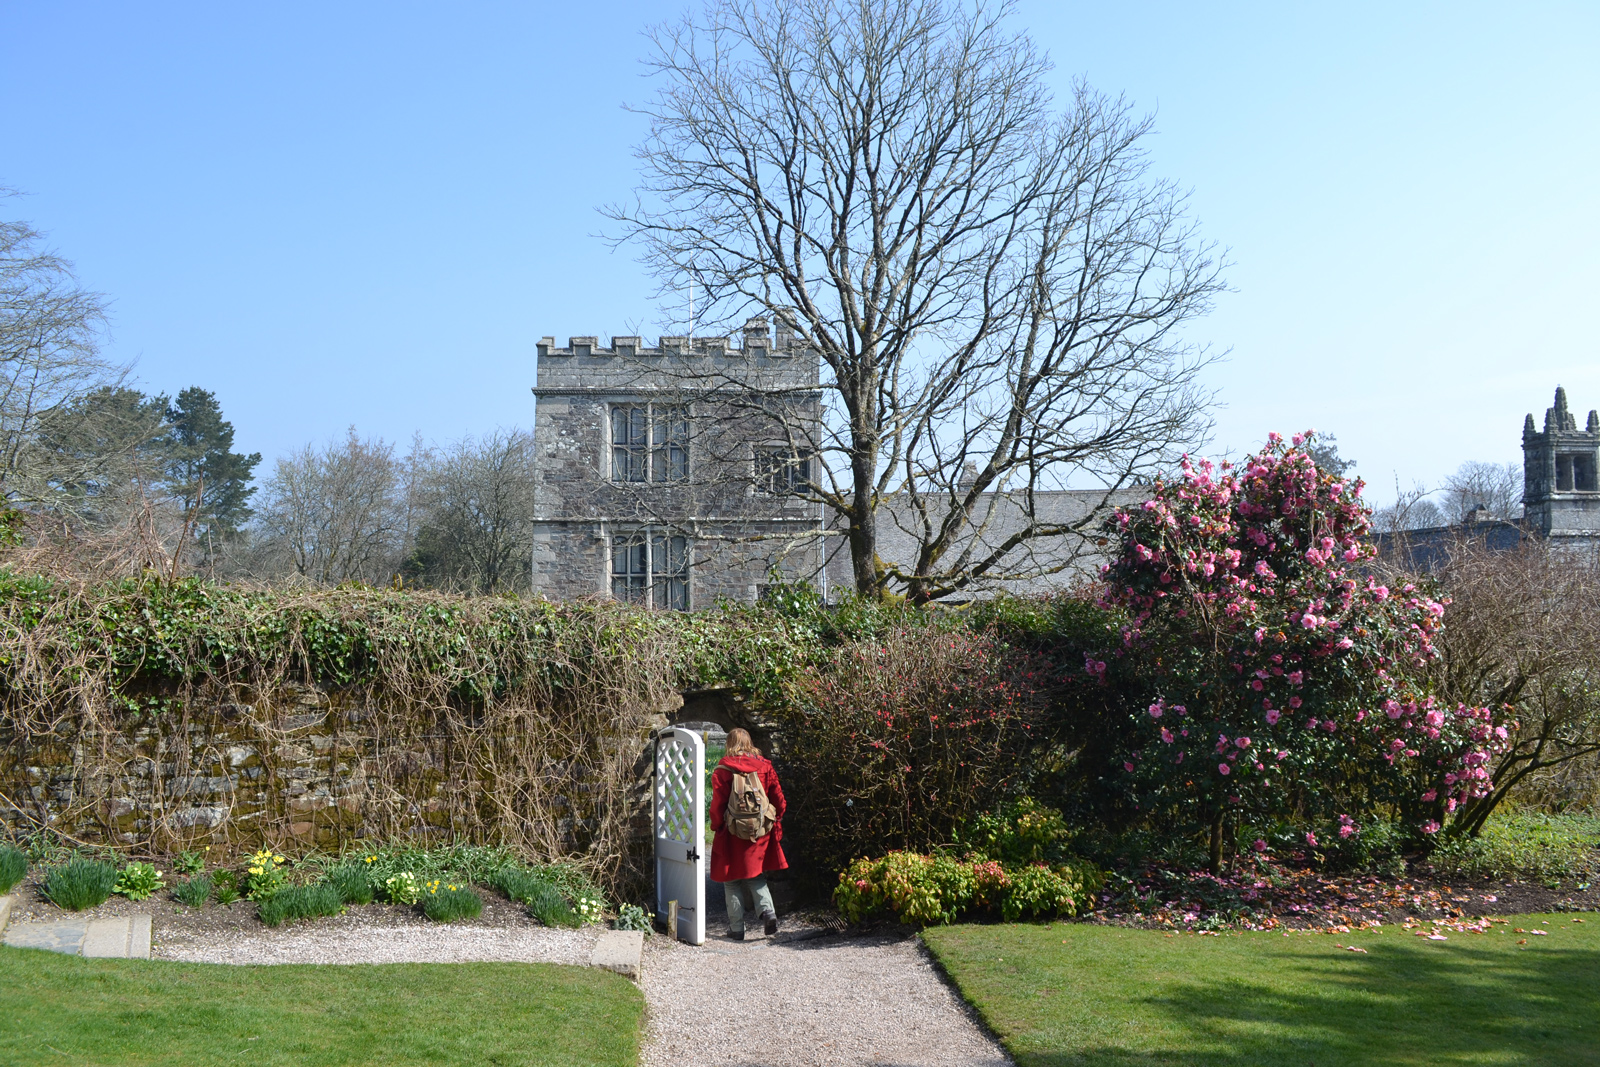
x: 674, y: 475
x: 1561, y: 474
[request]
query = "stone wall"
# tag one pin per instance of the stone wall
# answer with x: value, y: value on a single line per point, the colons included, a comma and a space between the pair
x: 314, y: 769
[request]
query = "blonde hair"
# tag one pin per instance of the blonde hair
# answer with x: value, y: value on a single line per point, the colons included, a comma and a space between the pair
x: 739, y: 743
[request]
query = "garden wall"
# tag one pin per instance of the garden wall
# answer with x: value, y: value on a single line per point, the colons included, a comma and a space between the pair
x: 152, y: 715
x: 320, y: 769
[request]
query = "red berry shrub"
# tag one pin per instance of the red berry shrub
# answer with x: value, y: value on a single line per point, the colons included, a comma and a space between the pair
x: 896, y: 741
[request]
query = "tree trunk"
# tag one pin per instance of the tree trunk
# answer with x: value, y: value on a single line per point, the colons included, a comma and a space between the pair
x: 1216, y: 842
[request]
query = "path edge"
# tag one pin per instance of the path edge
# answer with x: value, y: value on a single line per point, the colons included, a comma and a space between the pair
x: 620, y: 951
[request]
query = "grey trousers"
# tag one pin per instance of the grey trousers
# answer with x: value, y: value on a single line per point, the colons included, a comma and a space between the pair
x: 746, y: 894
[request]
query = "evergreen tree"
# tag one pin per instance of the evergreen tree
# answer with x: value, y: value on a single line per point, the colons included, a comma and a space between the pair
x: 203, y: 466
x: 97, y: 443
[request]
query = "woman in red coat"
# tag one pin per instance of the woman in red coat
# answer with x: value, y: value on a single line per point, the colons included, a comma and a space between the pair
x: 741, y: 866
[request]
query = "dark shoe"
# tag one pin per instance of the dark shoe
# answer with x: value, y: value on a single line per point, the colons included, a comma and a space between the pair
x: 772, y: 923
x: 736, y: 935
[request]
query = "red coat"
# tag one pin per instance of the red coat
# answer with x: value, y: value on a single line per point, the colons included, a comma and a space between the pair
x: 733, y: 857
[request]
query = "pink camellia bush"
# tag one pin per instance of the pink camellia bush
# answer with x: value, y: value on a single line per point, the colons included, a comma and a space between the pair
x: 1275, y: 672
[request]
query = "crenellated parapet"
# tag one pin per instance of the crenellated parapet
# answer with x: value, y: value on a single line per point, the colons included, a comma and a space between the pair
x: 757, y: 357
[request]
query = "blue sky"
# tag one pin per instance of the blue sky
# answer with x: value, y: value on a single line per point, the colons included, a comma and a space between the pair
x: 365, y: 215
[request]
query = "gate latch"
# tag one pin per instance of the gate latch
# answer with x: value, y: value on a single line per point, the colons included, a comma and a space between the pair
x: 691, y: 854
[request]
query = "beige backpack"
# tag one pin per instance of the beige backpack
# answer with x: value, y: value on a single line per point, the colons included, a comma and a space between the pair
x: 750, y: 814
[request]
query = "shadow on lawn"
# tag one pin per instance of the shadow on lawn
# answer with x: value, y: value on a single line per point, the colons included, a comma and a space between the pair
x: 1414, y: 1004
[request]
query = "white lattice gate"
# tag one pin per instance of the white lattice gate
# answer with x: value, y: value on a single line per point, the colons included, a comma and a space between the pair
x: 680, y: 831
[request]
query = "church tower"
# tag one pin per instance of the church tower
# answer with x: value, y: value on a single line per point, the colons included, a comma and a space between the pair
x: 1561, y: 474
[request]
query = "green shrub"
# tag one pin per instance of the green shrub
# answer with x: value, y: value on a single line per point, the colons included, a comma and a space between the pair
x: 264, y: 875
x: 542, y: 899
x: 190, y: 863
x: 225, y: 886
x: 931, y: 890
x: 1024, y: 831
x: 300, y: 902
x: 352, y: 882
x: 1035, y: 891
x: 446, y: 902
x: 465, y: 864
x: 138, y: 880
x: 80, y: 883
x: 1376, y: 847
x: 633, y: 917
x: 13, y: 866
x: 193, y: 891
x: 402, y: 888
x: 1523, y: 845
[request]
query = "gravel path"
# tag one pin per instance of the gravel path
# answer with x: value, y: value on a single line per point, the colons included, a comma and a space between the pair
x: 807, y: 997
x: 354, y: 941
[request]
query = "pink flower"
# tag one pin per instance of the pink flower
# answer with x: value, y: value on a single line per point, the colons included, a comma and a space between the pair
x: 1260, y: 845
x: 1223, y: 768
x: 1166, y: 735
x: 1296, y: 677
x: 1311, y: 839
x: 1155, y: 711
x: 1127, y: 767
x: 1432, y: 794
x: 1430, y: 827
x: 1273, y: 716
x: 1242, y: 742
x: 1294, y: 702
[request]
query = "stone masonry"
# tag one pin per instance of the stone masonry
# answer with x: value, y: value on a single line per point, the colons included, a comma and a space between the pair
x: 683, y: 450
x: 1561, y: 475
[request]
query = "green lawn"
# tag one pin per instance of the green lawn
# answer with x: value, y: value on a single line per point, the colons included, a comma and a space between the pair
x: 62, y: 1009
x: 1095, y: 995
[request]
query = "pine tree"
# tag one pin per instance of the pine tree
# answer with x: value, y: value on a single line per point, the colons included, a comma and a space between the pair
x: 204, y: 469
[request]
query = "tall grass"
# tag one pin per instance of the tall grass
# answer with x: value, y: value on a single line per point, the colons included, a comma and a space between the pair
x: 541, y: 897
x: 80, y: 883
x: 13, y: 866
x: 193, y: 891
x: 300, y: 902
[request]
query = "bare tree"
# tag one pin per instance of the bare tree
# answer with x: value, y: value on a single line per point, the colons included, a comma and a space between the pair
x: 995, y: 288
x: 1485, y: 491
x: 475, y: 530
x: 1519, y: 633
x: 336, y: 513
x: 1412, y: 510
x: 50, y: 329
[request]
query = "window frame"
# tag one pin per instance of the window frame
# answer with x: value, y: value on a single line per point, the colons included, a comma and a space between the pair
x: 654, y: 449
x: 772, y: 464
x: 651, y: 566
